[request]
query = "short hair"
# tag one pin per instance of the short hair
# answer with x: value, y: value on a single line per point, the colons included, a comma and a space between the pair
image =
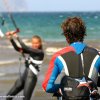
x: 74, y: 29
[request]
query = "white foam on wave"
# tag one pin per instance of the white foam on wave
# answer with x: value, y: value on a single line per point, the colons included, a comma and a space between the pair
x: 8, y: 62
x: 9, y: 46
x: 87, y: 17
x: 52, y: 50
x: 61, y: 16
x: 95, y: 17
x: 2, y: 74
x: 92, y: 28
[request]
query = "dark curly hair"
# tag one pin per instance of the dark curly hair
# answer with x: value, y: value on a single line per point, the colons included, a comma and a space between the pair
x: 74, y: 29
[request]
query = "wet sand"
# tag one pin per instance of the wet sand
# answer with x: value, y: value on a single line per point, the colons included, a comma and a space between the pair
x: 11, y: 68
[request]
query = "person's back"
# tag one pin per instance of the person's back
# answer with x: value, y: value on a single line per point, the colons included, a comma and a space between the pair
x: 81, y: 73
x: 80, y: 63
x: 77, y: 60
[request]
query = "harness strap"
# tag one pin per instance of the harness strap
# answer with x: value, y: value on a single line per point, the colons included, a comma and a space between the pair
x: 38, y: 62
x: 33, y: 65
x: 33, y: 69
x: 82, y: 60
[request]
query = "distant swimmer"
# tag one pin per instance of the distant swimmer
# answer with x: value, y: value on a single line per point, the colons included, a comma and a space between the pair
x: 79, y: 62
x: 28, y: 79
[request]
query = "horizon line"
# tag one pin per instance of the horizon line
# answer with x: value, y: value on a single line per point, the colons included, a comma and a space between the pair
x: 45, y: 11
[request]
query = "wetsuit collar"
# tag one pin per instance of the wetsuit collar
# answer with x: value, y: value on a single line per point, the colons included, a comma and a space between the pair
x: 78, y: 46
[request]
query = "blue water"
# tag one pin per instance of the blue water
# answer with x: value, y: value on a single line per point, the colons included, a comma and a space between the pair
x: 48, y: 25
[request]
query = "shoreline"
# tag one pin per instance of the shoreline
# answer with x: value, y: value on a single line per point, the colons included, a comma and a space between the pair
x: 49, y: 47
x: 10, y: 65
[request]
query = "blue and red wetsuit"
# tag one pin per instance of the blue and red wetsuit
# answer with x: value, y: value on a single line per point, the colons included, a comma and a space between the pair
x: 56, y: 66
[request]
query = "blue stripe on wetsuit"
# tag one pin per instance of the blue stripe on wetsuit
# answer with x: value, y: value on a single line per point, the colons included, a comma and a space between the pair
x: 51, y: 87
x: 78, y: 46
x: 58, y: 67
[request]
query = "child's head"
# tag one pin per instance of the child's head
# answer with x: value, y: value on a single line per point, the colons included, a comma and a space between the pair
x: 36, y: 42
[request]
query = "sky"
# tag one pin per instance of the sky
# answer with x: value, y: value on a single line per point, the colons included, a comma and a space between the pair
x: 49, y: 5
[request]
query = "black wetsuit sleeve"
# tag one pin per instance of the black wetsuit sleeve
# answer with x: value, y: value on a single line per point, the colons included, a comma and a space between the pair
x: 15, y: 45
x: 98, y: 82
x: 27, y: 49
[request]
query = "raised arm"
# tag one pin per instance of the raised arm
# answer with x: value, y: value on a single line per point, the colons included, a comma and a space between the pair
x: 15, y: 45
x: 9, y: 35
x: 24, y: 48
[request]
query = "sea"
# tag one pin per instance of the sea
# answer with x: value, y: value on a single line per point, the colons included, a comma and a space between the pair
x: 48, y: 24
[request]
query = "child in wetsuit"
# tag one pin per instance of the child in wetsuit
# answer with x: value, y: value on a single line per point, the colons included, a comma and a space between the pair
x: 28, y: 80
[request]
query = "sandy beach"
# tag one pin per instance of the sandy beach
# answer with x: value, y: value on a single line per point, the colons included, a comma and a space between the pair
x: 11, y: 67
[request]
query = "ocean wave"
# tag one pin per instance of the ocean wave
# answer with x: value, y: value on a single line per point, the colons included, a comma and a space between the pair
x: 2, y: 74
x: 9, y: 46
x: 8, y: 62
x: 95, y: 17
x: 61, y: 16
x: 26, y: 41
x: 92, y: 28
x: 88, y: 17
x: 52, y: 50
x: 29, y: 31
x: 39, y: 26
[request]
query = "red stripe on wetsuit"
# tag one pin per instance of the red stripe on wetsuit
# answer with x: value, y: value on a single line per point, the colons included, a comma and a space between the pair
x: 51, y: 65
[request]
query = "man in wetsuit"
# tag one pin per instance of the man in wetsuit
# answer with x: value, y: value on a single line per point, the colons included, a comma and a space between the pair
x: 76, y: 60
x: 28, y: 80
